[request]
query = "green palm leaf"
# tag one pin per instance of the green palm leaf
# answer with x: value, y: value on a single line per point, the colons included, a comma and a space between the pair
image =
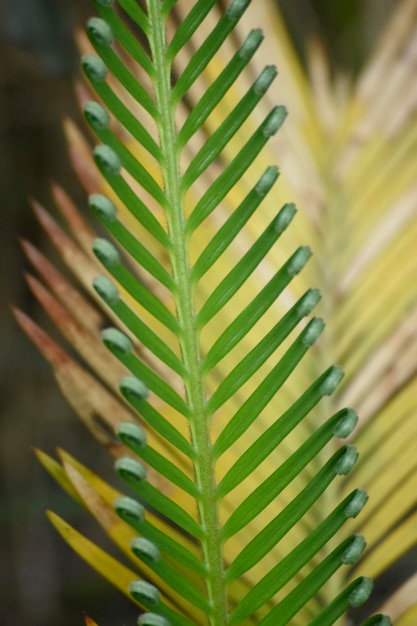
x: 236, y: 460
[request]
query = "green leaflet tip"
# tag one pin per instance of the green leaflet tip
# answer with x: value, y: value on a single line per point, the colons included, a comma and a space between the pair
x: 263, y: 81
x: 382, y: 620
x: 133, y: 389
x: 354, y: 551
x: 107, y: 160
x: 93, y: 67
x: 106, y: 289
x: 312, y: 331
x: 285, y: 217
x: 145, y: 549
x: 347, y: 461
x: 237, y: 9
x: 274, y: 121
x: 103, y: 207
x: 129, y: 510
x: 117, y: 341
x: 96, y: 115
x: 130, y: 470
x: 100, y: 32
x: 357, y: 502
x: 132, y: 435
x: 104, y: 3
x: 144, y: 592
x: 362, y: 592
x: 308, y: 302
x: 251, y: 43
x: 267, y: 179
x: 106, y: 252
x: 332, y: 380
x: 346, y: 424
x: 152, y: 619
x: 298, y: 260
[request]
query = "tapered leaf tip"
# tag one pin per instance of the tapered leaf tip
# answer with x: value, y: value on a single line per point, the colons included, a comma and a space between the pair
x: 100, y: 31
x: 284, y: 217
x: 298, y: 260
x: 312, y: 331
x: 251, y: 43
x: 106, y: 252
x: 106, y: 289
x: 129, y: 510
x: 145, y: 549
x: 308, y: 302
x: 274, y: 121
x: 264, y: 80
x: 237, y: 8
x: 347, y: 461
x: 96, y: 115
x: 93, y: 67
x: 144, y: 592
x: 332, y: 380
x: 381, y: 620
x: 356, y: 503
x: 346, y: 424
x: 130, y: 470
x: 267, y: 179
x: 104, y: 3
x: 152, y: 619
x: 131, y: 434
x: 361, y: 593
x: 133, y: 389
x: 117, y: 341
x: 354, y: 550
x: 107, y: 160
x: 103, y: 207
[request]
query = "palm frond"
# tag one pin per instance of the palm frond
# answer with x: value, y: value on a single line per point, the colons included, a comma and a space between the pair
x: 212, y: 350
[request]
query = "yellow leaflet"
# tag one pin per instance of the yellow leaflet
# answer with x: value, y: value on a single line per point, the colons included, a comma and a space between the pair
x: 57, y: 472
x: 409, y: 619
x: 109, y: 495
x: 397, y: 503
x: 122, y: 534
x: 117, y: 574
x: 391, y: 548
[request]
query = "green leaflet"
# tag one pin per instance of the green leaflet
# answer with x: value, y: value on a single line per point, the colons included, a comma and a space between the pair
x: 236, y: 168
x: 184, y: 302
x: 237, y: 276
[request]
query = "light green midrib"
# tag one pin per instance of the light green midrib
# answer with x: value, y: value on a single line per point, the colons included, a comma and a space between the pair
x: 189, y: 338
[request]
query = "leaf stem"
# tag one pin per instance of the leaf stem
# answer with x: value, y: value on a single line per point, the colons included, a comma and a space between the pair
x: 189, y: 333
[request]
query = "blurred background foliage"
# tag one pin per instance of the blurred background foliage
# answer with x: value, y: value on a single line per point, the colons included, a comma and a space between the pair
x: 41, y: 582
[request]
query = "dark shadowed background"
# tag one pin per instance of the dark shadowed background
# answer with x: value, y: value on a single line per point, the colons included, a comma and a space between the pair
x: 41, y: 582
